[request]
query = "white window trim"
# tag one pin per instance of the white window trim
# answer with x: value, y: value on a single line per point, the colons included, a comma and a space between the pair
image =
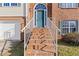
x: 68, y: 5
x: 67, y: 27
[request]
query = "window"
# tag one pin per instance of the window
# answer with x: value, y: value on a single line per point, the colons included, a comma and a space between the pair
x: 15, y: 4
x: 6, y: 4
x: 68, y: 5
x: 10, y: 4
x: 0, y: 4
x: 68, y: 27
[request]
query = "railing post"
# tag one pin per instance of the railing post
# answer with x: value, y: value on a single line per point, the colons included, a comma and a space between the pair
x: 56, y: 42
x: 25, y: 39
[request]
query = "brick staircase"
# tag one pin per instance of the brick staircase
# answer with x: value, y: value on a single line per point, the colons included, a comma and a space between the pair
x: 40, y: 43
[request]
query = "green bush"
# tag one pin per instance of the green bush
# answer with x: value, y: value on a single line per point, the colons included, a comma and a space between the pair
x: 71, y: 38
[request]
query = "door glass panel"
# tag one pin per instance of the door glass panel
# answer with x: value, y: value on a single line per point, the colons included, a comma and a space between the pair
x: 72, y: 23
x: 72, y: 29
x: 65, y: 30
x: 40, y: 18
x: 73, y: 26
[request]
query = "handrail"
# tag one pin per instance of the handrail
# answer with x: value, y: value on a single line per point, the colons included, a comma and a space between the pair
x: 54, y: 25
x: 53, y: 29
x: 3, y: 47
x: 27, y: 32
x: 27, y: 25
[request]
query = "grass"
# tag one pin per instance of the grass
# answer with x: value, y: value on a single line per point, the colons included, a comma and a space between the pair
x: 66, y: 49
x: 17, y: 49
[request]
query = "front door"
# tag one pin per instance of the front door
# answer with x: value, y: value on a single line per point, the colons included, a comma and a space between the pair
x: 40, y: 18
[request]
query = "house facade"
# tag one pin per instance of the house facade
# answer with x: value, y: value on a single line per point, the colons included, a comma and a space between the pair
x: 64, y: 15
x: 58, y: 18
x: 12, y: 20
x: 14, y: 16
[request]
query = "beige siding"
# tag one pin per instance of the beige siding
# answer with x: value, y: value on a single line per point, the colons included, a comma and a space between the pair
x: 12, y: 11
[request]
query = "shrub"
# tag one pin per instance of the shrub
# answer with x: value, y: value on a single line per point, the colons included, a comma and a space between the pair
x: 71, y: 38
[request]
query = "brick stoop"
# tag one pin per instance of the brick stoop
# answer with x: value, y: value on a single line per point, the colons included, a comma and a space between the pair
x: 40, y: 43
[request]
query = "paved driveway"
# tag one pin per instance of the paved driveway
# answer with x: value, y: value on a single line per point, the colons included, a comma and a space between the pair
x: 5, y: 47
x: 1, y: 45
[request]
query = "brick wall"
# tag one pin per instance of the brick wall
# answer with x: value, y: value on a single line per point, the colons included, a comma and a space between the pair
x: 64, y: 14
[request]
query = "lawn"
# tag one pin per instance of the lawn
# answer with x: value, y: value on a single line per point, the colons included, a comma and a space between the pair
x: 17, y: 49
x: 66, y: 49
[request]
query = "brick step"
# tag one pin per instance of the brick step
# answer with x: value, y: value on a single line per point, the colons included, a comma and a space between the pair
x: 39, y: 53
x: 38, y: 34
x: 41, y: 41
x: 39, y: 46
x: 43, y: 47
x: 43, y: 37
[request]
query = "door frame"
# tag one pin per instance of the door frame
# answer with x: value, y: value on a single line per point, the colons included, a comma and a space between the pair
x: 35, y: 15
